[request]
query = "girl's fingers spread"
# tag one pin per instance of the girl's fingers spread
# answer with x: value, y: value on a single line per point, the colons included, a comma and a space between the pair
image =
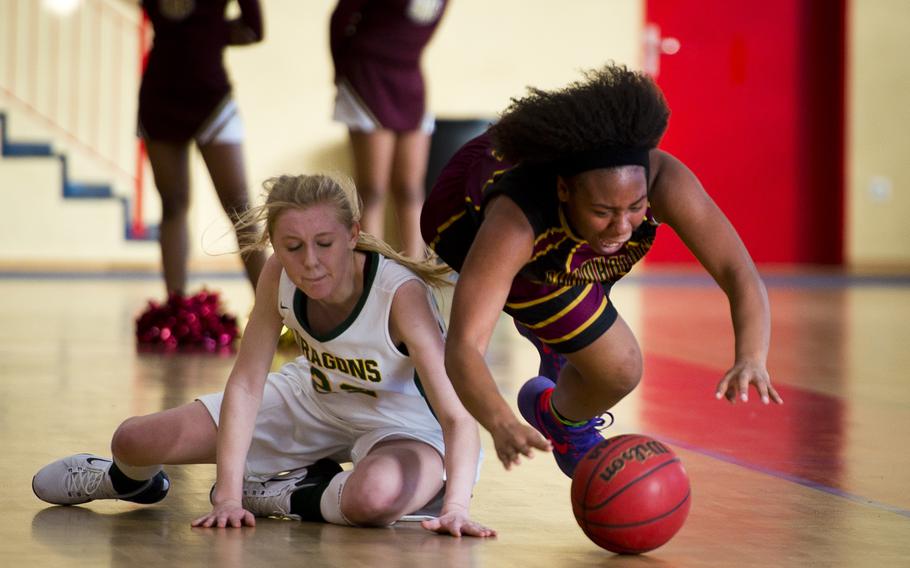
x: 729, y: 392
x: 774, y: 396
x: 723, y: 388
x: 762, y: 389
x: 744, y: 389
x: 475, y: 529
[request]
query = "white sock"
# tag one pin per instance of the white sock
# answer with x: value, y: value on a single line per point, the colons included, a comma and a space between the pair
x: 330, y: 503
x: 138, y: 472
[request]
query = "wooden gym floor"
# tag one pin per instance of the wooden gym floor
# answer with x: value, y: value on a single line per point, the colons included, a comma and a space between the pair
x: 823, y: 480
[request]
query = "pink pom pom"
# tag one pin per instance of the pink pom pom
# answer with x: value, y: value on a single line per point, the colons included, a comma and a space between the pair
x: 187, y: 323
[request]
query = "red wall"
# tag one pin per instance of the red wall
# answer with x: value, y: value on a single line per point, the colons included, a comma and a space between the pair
x: 756, y: 93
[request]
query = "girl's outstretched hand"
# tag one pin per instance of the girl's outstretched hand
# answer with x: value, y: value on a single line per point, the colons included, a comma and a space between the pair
x: 227, y: 514
x: 457, y: 523
x: 735, y: 384
x: 514, y: 440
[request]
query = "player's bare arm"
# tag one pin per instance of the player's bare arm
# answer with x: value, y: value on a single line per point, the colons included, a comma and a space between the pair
x: 679, y: 200
x: 502, y: 246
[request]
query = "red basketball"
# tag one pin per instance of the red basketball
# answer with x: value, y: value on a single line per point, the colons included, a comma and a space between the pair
x: 630, y: 494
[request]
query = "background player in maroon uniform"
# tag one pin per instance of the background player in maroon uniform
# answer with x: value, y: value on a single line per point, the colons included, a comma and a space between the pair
x: 185, y: 97
x: 376, y: 48
x: 540, y: 216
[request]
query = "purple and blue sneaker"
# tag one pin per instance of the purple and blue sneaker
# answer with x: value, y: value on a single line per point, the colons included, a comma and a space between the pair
x: 570, y: 443
x: 551, y: 362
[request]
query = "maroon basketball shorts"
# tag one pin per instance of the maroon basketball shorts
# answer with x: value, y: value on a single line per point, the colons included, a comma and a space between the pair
x: 565, y: 318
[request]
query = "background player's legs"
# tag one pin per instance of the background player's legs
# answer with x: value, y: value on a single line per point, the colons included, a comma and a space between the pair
x: 394, y: 479
x: 599, y: 375
x: 170, y: 167
x: 373, y: 153
x: 226, y: 168
x: 409, y: 171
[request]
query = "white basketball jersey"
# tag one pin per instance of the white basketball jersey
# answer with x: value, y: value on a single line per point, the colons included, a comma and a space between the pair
x: 356, y: 372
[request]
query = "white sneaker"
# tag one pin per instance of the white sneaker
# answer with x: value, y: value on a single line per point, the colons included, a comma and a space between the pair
x: 77, y: 479
x: 84, y: 477
x: 272, y: 498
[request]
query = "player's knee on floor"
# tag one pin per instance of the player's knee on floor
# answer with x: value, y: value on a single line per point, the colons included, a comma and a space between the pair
x: 378, y: 506
x: 128, y: 441
x: 379, y: 501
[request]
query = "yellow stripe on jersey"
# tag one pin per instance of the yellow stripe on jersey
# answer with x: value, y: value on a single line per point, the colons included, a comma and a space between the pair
x: 529, y: 303
x: 564, y: 311
x: 570, y: 256
x: 546, y: 234
x: 564, y: 223
x: 445, y: 226
x: 492, y: 178
x: 460, y: 214
x: 548, y: 249
x: 582, y: 327
x: 568, y: 230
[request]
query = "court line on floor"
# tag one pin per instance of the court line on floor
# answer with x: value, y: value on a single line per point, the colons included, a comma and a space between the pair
x: 668, y: 372
x: 785, y: 476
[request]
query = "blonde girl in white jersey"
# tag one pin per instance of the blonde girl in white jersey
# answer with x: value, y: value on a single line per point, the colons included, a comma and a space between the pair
x: 370, y: 388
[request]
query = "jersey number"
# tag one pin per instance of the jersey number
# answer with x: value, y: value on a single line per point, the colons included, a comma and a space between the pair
x: 322, y: 385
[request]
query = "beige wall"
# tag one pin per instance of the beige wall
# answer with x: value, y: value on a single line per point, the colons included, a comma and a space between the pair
x: 482, y: 54
x: 486, y: 52
x: 878, y: 134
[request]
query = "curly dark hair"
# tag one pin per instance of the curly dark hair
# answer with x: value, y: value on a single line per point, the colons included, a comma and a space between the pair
x: 612, y: 107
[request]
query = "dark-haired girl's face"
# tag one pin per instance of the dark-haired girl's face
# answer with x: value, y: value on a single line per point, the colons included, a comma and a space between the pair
x: 605, y: 206
x: 316, y: 250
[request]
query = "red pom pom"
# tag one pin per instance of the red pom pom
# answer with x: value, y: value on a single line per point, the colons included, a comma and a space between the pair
x: 187, y: 323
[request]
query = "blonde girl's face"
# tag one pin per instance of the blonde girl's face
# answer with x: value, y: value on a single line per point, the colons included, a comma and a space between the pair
x: 315, y: 249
